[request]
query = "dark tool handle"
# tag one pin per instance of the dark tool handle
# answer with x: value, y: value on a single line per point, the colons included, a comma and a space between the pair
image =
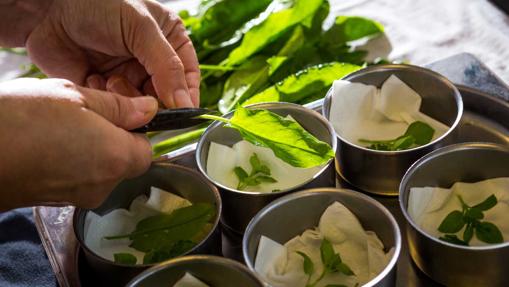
x: 173, y: 120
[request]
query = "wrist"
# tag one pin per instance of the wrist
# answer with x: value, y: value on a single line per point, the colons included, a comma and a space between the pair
x: 18, y: 18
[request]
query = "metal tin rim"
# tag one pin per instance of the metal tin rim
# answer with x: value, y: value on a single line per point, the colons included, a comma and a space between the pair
x: 187, y: 258
x: 217, y: 124
x: 82, y: 244
x: 312, y: 192
x: 388, y: 67
x: 430, y: 156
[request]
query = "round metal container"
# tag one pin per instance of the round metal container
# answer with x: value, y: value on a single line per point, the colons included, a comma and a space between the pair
x: 380, y: 172
x: 212, y: 270
x: 176, y: 179
x: 240, y: 206
x: 450, y: 264
x: 289, y: 216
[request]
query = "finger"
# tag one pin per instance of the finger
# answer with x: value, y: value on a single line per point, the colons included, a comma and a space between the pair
x: 179, y: 39
x: 132, y: 71
x: 96, y: 81
x: 162, y: 64
x: 120, y: 85
x: 124, y: 112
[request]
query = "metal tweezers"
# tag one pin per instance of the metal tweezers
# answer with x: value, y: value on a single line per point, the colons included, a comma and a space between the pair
x: 173, y: 120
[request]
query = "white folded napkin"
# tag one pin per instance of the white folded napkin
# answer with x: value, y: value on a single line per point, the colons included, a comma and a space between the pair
x: 428, y: 206
x: 223, y: 159
x: 122, y: 221
x: 361, y: 250
x: 189, y: 280
x: 360, y: 111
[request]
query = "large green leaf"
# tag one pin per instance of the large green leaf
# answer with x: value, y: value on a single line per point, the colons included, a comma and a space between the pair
x: 351, y: 28
x: 285, y: 137
x: 220, y: 19
x: 273, y: 27
x: 304, y: 84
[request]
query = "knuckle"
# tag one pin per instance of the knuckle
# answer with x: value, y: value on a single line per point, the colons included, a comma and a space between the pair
x: 176, y: 64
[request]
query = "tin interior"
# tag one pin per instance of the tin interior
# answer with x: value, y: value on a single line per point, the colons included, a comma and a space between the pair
x: 310, y: 120
x: 291, y: 215
x: 213, y: 271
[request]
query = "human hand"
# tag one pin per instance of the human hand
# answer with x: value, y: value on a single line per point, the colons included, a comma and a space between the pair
x: 61, y: 143
x: 141, y: 40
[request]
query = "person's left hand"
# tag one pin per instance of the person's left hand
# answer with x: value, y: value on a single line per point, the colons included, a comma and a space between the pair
x: 141, y: 40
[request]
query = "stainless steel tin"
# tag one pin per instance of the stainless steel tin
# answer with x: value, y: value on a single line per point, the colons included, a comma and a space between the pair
x: 380, y: 172
x: 449, y: 264
x: 212, y: 270
x: 240, y: 206
x: 289, y: 216
x: 179, y: 180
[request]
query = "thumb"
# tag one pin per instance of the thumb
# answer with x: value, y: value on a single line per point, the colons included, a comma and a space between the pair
x: 124, y: 112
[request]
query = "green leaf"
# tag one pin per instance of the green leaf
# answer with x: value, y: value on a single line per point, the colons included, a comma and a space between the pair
x: 272, y: 28
x: 124, y: 258
x: 218, y: 22
x: 165, y: 253
x: 452, y: 223
x: 307, y: 265
x: 343, y: 268
x: 453, y: 239
x: 350, y: 28
x: 327, y: 252
x: 417, y: 133
x: 421, y: 132
x: 487, y: 204
x: 468, y: 233
x: 488, y: 232
x: 473, y: 214
x: 303, y: 84
x: 259, y: 173
x: 285, y: 137
x: 167, y: 229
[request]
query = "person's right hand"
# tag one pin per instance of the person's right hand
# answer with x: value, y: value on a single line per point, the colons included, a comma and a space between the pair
x: 65, y: 144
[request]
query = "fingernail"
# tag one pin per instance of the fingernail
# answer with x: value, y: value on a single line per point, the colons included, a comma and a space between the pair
x: 145, y: 105
x: 117, y: 85
x: 94, y: 82
x: 183, y: 99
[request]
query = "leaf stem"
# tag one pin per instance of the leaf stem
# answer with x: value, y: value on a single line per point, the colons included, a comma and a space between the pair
x: 214, y: 118
x: 217, y: 68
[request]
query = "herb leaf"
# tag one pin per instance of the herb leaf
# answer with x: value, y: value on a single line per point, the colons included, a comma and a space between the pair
x: 452, y: 223
x: 487, y: 204
x: 285, y: 137
x: 124, y: 258
x: 327, y: 252
x: 164, y: 253
x: 259, y: 173
x: 471, y: 217
x: 165, y: 230
x: 488, y: 232
x: 307, y: 265
x: 418, y: 133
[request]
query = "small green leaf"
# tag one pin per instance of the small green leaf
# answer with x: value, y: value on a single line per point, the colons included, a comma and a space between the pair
x: 345, y: 269
x: 124, y: 258
x: 473, y: 214
x: 308, y: 265
x: 165, y: 253
x: 421, y: 132
x: 487, y: 204
x: 453, y: 239
x: 488, y: 232
x: 468, y: 233
x: 327, y: 252
x: 403, y: 142
x: 259, y: 173
x: 452, y: 223
x: 240, y: 172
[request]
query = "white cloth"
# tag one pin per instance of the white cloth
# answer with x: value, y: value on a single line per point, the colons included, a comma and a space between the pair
x: 361, y: 250
x: 223, y: 159
x: 360, y: 111
x: 428, y: 206
x: 122, y: 221
x: 189, y: 280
